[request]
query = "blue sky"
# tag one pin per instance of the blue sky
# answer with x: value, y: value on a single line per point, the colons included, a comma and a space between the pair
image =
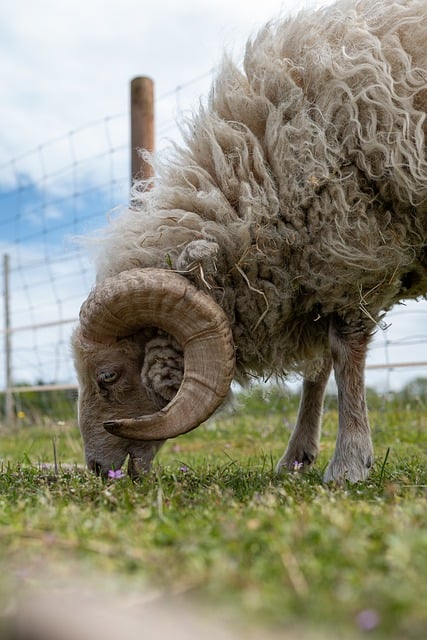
x: 67, y: 64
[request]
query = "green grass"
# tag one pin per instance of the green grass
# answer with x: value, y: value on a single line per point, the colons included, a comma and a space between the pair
x: 213, y: 522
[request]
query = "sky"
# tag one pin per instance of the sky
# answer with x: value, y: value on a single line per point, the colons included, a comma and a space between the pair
x: 66, y: 64
x: 69, y: 62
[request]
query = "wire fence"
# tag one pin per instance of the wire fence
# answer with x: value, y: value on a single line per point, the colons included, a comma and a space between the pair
x: 51, y: 196
x: 64, y: 189
x: 48, y: 198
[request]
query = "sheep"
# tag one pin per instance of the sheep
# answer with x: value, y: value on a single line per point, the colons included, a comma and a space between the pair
x: 271, y: 242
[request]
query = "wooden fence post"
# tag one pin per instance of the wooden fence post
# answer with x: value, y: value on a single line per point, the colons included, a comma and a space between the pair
x: 8, y: 394
x: 142, y: 126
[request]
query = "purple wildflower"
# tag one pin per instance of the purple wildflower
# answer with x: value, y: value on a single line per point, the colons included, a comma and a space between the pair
x: 368, y: 619
x: 298, y: 465
x: 183, y: 468
x: 116, y: 475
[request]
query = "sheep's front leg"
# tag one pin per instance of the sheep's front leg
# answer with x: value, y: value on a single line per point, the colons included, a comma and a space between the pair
x: 303, y: 445
x: 353, y: 455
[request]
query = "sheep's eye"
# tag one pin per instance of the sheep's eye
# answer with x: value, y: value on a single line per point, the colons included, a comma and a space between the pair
x: 107, y: 377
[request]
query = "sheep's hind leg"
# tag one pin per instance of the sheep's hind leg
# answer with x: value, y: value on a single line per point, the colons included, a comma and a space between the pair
x: 303, y: 445
x: 353, y: 455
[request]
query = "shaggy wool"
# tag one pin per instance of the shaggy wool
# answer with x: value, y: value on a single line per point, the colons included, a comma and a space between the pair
x: 301, y: 187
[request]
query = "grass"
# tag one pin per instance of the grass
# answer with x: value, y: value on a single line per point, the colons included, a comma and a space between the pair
x: 215, y: 524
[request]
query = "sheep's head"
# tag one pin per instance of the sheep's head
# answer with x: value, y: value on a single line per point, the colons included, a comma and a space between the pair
x: 117, y: 413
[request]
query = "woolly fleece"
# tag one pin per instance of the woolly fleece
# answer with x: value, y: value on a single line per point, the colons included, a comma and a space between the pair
x: 301, y: 187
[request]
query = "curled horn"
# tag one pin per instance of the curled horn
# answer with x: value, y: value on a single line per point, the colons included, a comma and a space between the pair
x: 123, y: 304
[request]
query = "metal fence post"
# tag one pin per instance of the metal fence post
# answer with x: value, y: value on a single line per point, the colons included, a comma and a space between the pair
x: 8, y: 394
x: 142, y: 126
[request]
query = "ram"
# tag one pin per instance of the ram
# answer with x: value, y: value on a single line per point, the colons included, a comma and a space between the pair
x: 292, y: 217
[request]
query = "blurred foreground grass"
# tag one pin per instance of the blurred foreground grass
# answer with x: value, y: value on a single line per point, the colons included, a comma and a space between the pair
x: 214, y: 524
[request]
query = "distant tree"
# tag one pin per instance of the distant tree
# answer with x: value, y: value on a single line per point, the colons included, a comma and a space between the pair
x: 415, y: 390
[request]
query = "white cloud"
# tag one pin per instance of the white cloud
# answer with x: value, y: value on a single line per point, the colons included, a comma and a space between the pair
x: 65, y: 64
x: 70, y: 62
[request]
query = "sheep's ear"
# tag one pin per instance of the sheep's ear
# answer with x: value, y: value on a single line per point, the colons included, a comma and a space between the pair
x: 122, y: 305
